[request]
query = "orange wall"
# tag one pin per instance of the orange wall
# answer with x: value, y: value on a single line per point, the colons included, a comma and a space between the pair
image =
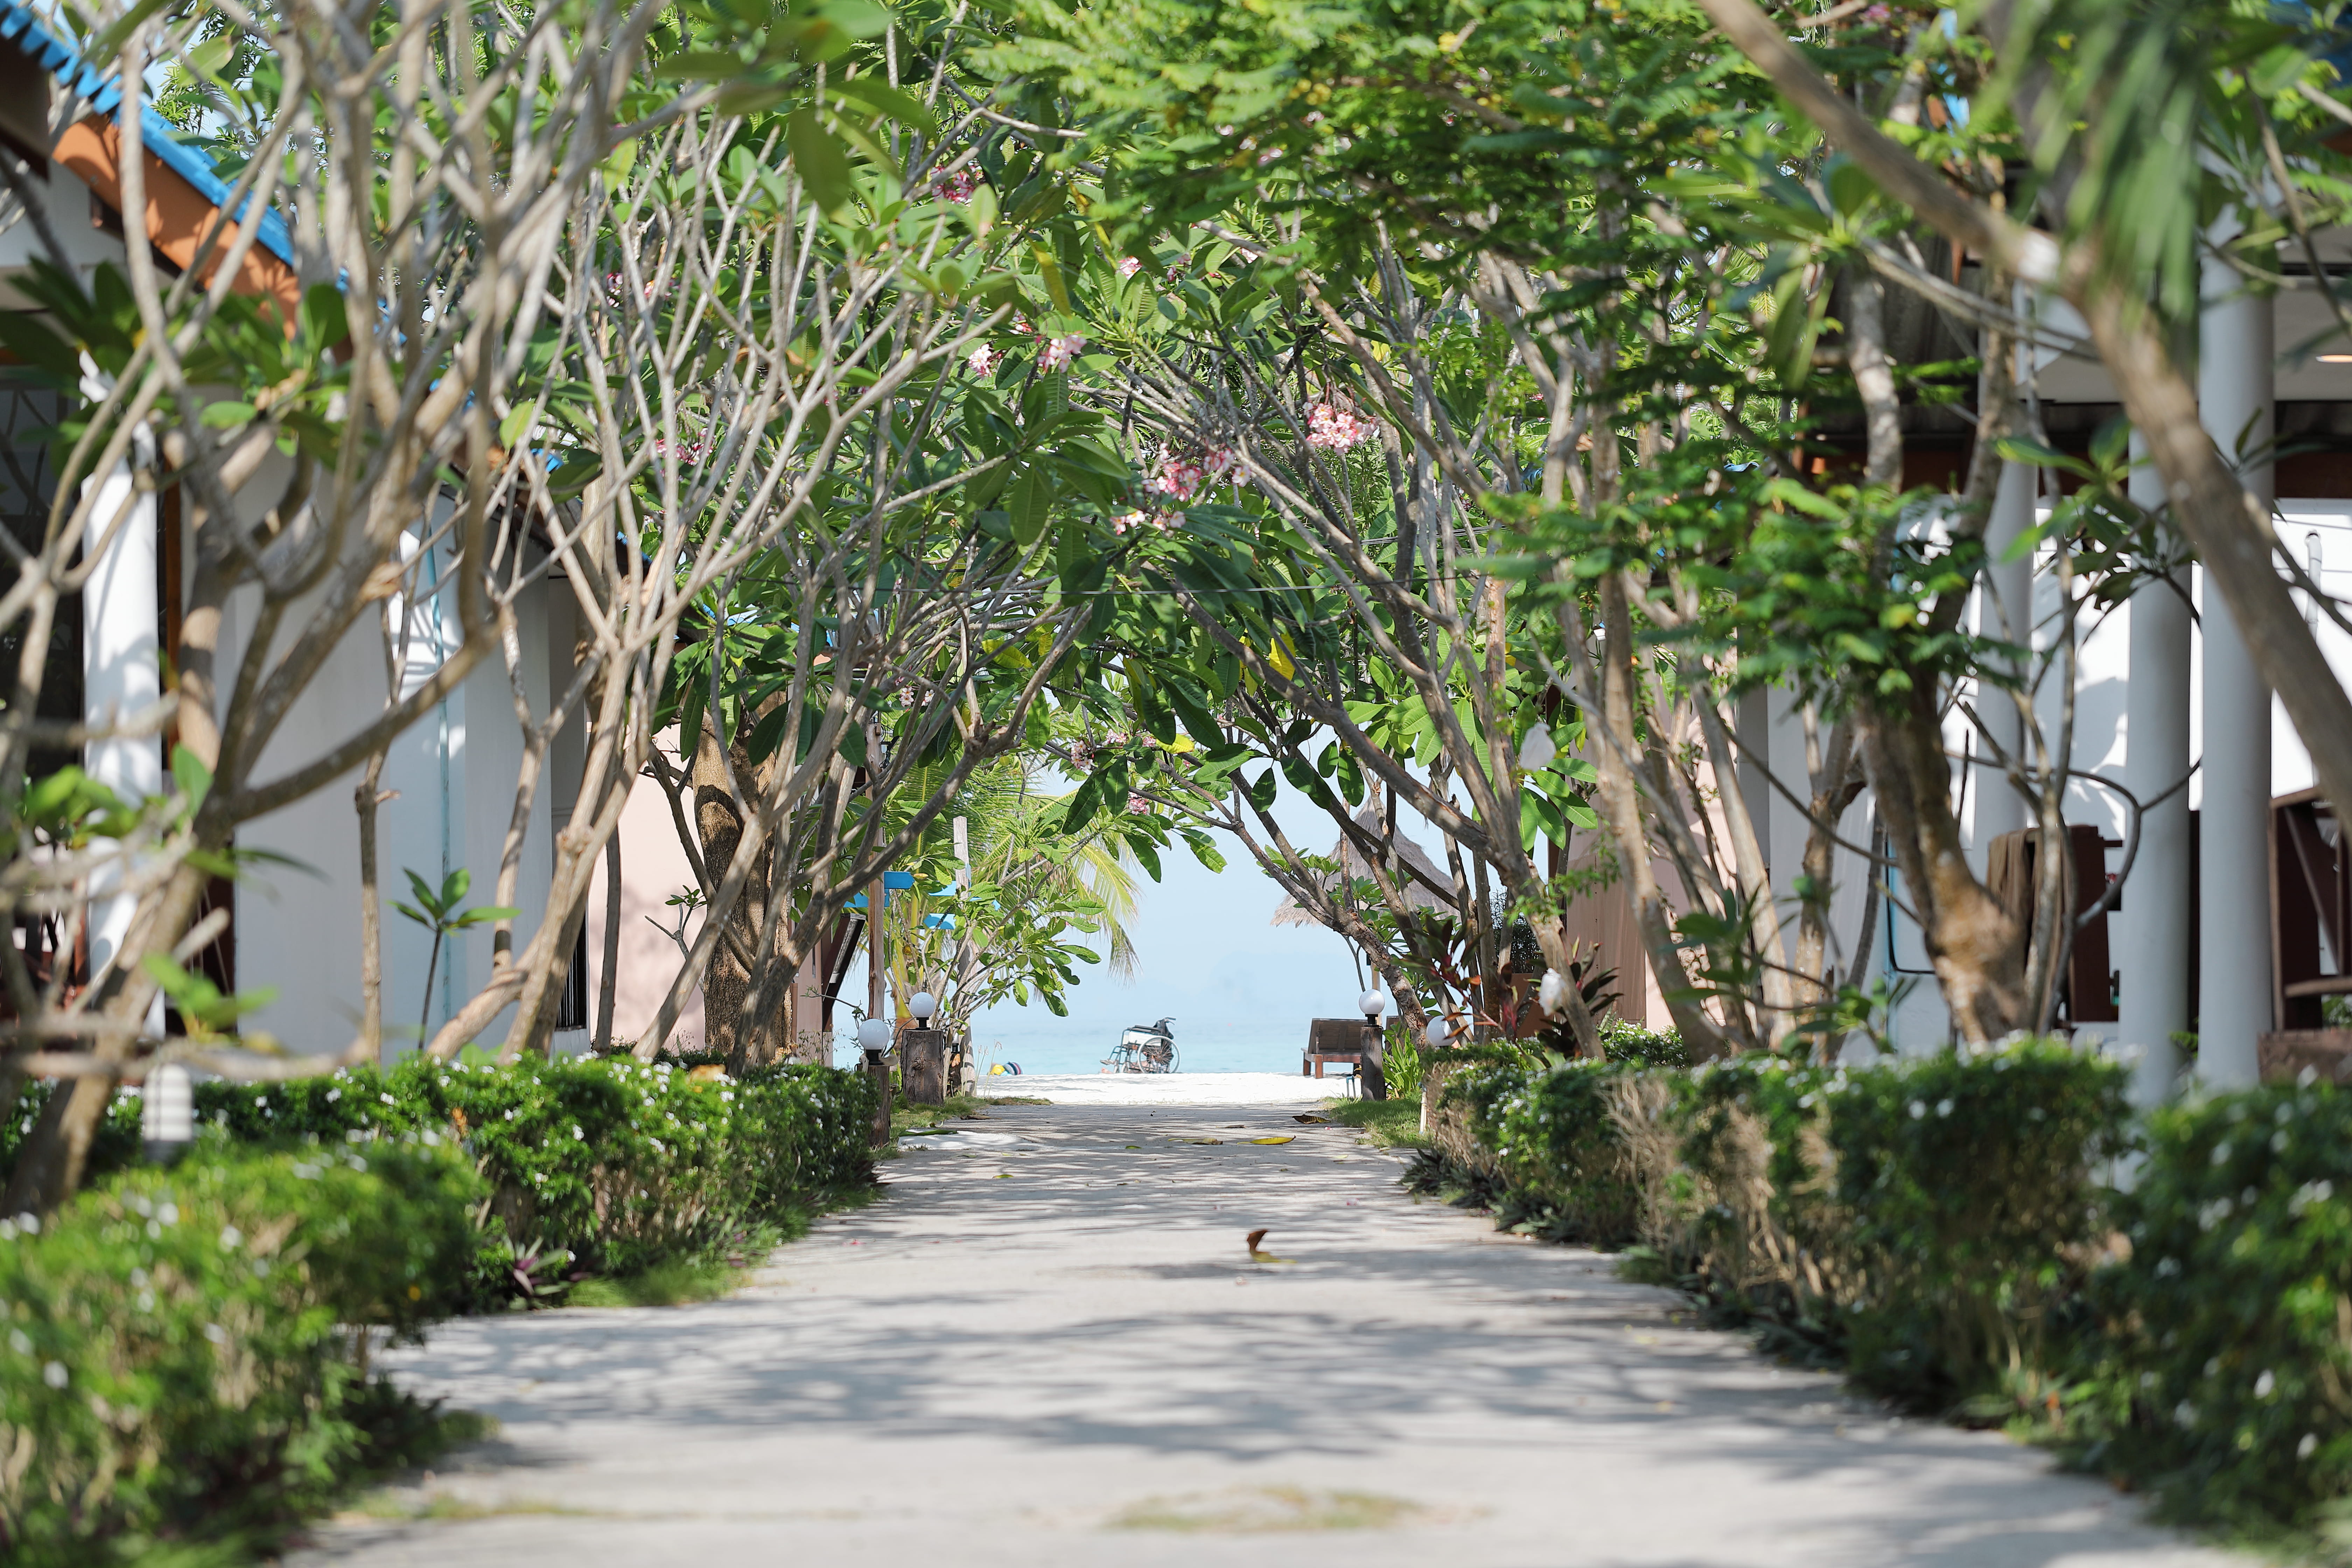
x: 177, y: 217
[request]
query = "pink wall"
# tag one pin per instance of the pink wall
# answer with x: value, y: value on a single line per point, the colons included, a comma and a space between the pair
x: 653, y: 868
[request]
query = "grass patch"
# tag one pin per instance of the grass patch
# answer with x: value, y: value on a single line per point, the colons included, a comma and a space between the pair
x: 1388, y: 1123
x: 405, y: 1506
x: 1269, y: 1510
x: 680, y: 1281
x: 908, y: 1117
x: 671, y: 1284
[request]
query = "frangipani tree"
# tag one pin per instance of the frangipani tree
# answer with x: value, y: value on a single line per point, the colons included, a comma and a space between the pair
x: 1623, y: 399
x: 335, y: 438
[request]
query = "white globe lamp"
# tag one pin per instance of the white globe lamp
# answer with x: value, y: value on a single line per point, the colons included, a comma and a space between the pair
x: 1438, y: 1033
x: 1371, y: 1005
x: 923, y: 1005
x: 1553, y: 993
x: 167, y: 1113
x: 873, y: 1037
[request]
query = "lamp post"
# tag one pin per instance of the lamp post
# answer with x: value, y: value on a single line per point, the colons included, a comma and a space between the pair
x: 924, y: 1054
x: 1435, y: 1037
x: 874, y: 1038
x: 1371, y: 1004
x: 167, y: 1114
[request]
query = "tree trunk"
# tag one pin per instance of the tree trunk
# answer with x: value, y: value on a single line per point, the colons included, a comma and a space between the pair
x: 1977, y: 949
x: 718, y: 822
x: 367, y: 799
x: 608, y: 981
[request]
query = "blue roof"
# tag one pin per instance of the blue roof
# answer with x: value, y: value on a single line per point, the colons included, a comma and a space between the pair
x: 892, y: 882
x: 193, y: 165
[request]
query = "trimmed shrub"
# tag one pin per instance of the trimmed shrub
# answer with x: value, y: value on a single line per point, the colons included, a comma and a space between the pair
x: 2228, y: 1324
x: 1637, y: 1046
x: 184, y: 1351
x: 1566, y: 1174
x: 1928, y: 1220
x: 1976, y: 1200
x: 604, y: 1166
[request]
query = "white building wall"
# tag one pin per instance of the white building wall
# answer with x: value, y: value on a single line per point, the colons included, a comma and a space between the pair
x: 85, y: 244
x: 2101, y: 737
x: 452, y: 775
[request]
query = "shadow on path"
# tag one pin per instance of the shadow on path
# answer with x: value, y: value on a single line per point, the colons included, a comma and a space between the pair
x: 1025, y: 1340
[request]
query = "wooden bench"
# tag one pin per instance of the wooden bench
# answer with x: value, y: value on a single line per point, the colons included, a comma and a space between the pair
x: 1333, y: 1041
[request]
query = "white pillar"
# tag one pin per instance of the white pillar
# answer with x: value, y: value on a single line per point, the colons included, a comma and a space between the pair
x: 121, y: 676
x: 2152, y: 928
x: 2234, y: 395
x: 1754, y: 720
x: 2004, y: 610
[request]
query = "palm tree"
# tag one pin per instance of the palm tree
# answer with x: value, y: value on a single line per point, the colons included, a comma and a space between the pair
x: 1041, y: 885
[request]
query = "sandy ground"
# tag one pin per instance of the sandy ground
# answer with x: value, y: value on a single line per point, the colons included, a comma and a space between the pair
x: 1054, y: 1349
x: 1166, y: 1088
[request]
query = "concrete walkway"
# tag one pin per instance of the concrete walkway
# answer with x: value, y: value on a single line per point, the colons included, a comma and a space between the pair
x: 1054, y: 1350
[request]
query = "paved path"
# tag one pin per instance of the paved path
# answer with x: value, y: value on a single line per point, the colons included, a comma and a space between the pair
x: 1056, y: 1352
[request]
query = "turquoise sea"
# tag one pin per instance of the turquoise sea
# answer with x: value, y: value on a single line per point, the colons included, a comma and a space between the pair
x: 1070, y: 1046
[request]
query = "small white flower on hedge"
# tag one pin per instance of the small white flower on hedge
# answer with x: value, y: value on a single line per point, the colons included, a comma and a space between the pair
x: 333, y: 1095
x: 168, y: 1213
x: 230, y: 1236
x: 582, y: 1137
x: 54, y: 1374
x: 2184, y: 1414
x: 2309, y: 1446
x: 1919, y: 1110
x: 1943, y: 1107
x: 20, y: 1341
x: 2263, y: 1384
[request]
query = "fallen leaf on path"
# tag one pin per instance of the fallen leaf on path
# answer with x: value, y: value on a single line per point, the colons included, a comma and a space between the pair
x: 1256, y: 1257
x: 1285, y: 1138
x: 1312, y: 1121
x: 1218, y: 1140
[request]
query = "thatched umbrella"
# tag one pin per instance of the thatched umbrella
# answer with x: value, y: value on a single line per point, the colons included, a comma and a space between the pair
x: 1352, y: 865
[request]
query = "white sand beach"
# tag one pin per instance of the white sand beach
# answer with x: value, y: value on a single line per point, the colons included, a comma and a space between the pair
x: 1164, y: 1088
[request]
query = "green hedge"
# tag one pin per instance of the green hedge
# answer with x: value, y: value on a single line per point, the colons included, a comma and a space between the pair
x: 599, y: 1166
x: 1927, y: 1222
x: 1564, y: 1170
x: 184, y: 1350
x: 1944, y: 1228
x: 2228, y: 1324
